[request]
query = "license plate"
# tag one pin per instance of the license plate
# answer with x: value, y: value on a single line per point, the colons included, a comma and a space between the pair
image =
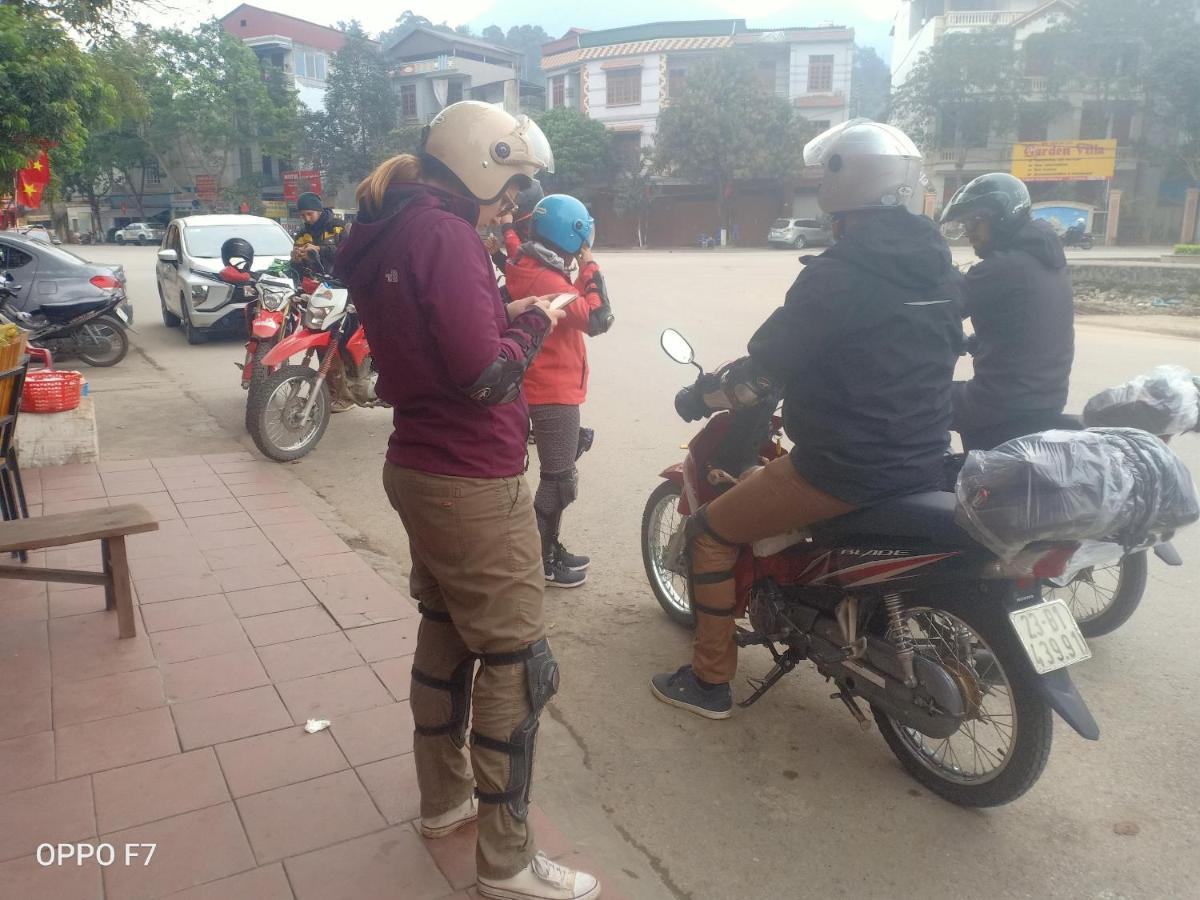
x: 122, y: 315
x: 1050, y: 636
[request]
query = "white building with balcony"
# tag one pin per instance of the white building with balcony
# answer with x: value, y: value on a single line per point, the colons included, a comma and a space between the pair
x: 624, y: 77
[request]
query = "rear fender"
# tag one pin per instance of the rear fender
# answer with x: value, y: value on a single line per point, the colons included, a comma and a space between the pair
x: 1060, y: 692
x: 300, y: 342
x: 1167, y: 553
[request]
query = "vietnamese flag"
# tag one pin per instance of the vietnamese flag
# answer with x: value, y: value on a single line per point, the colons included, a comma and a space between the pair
x: 29, y: 193
x: 38, y: 171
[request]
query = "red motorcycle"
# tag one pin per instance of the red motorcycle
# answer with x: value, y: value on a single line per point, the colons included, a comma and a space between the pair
x: 287, y: 414
x: 957, y: 654
x: 272, y: 317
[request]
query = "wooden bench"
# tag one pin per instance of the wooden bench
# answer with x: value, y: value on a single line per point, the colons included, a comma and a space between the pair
x: 109, y: 525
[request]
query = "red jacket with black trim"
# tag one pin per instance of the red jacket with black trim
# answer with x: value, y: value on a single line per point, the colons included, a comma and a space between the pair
x: 559, y: 373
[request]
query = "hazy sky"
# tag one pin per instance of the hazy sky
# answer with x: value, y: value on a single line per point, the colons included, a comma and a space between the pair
x: 871, y: 19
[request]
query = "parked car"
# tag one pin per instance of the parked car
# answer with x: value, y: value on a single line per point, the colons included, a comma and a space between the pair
x: 799, y: 233
x: 189, y: 259
x: 142, y: 233
x: 53, y: 276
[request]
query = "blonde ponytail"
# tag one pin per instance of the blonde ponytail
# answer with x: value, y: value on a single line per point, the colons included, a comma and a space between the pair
x: 370, y: 191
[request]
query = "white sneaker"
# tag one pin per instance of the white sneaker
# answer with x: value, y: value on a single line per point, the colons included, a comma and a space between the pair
x: 542, y: 879
x: 449, y: 822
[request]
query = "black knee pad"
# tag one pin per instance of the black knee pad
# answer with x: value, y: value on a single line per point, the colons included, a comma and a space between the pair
x: 560, y: 491
x: 541, y: 683
x: 697, y: 525
x: 458, y: 685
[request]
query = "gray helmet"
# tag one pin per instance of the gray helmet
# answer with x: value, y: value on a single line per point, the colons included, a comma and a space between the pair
x: 998, y: 196
x: 866, y: 165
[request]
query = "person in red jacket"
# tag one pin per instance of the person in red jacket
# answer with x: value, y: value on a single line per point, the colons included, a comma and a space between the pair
x: 561, y: 235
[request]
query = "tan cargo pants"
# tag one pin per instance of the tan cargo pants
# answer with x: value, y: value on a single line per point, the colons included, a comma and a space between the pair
x: 773, y: 500
x: 477, y: 573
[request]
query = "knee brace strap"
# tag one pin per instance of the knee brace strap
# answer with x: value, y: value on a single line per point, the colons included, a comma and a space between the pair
x: 458, y: 686
x: 434, y: 615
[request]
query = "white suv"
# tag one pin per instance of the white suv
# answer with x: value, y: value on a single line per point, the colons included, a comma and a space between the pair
x: 139, y: 233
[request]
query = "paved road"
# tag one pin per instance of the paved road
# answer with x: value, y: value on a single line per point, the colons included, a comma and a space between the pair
x: 787, y: 799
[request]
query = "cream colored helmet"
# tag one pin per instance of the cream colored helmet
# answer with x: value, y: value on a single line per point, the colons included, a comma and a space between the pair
x: 866, y: 165
x: 486, y: 147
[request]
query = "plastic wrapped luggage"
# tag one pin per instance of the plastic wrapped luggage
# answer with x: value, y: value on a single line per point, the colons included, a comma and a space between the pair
x: 1164, y: 401
x: 1105, y: 484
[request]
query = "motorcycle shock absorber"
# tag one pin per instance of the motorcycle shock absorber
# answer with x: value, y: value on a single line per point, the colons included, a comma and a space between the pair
x: 322, y: 374
x: 899, y: 637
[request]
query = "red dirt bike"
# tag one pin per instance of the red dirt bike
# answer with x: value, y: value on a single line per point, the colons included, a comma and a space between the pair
x: 288, y: 413
x: 958, y: 655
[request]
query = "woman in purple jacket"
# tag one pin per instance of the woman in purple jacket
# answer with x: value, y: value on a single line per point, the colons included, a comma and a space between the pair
x: 451, y: 358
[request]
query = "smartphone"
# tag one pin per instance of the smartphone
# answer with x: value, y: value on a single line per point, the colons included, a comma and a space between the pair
x: 562, y: 300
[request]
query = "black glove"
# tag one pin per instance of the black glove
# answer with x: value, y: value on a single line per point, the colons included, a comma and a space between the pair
x: 689, y: 402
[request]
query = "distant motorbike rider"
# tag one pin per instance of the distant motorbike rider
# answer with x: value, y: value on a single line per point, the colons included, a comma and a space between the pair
x: 1020, y: 303
x: 863, y: 352
x: 318, y: 239
x: 561, y: 236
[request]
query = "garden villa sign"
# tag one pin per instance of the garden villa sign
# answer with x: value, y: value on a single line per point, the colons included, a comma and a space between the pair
x: 1065, y: 160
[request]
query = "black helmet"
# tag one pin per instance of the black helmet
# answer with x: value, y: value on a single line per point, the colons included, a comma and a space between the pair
x: 528, y: 199
x: 238, y: 253
x: 1001, y: 198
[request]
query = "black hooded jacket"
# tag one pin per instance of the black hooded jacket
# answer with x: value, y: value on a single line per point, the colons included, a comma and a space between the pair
x: 865, y: 346
x: 1020, y: 301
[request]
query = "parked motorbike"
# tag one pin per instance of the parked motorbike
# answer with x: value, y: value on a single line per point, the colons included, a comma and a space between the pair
x: 287, y: 413
x: 94, y: 332
x: 959, y: 657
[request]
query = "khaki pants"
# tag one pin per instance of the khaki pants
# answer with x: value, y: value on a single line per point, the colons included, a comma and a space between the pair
x: 476, y: 557
x: 773, y: 500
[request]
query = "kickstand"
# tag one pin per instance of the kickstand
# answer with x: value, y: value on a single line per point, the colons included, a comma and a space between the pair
x: 843, y: 695
x: 784, y: 663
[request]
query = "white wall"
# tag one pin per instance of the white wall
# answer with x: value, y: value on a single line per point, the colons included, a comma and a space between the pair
x: 843, y: 63
x: 643, y: 114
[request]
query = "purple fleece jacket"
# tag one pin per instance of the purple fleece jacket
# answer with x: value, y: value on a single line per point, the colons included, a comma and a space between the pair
x: 423, y: 286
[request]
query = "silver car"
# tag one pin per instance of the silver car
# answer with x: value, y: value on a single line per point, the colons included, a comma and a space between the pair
x: 189, y: 259
x: 51, y: 276
x: 798, y: 233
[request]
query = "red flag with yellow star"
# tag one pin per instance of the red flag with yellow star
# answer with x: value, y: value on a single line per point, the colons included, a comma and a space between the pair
x: 29, y: 193
x: 38, y: 170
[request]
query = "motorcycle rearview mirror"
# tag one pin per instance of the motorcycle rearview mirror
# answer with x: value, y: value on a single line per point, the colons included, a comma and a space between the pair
x: 676, y: 346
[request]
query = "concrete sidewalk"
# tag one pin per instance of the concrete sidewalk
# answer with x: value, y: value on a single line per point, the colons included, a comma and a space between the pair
x: 253, y: 616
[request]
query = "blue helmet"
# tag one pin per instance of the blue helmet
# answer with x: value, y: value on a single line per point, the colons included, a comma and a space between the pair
x: 563, y: 221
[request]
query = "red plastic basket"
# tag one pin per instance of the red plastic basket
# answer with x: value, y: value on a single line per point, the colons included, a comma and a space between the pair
x: 50, y: 390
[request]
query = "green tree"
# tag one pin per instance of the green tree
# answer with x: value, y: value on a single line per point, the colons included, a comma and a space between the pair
x: 634, y: 194
x: 209, y: 99
x: 966, y: 89
x: 582, y: 150
x: 89, y: 16
x: 361, y: 110
x: 48, y: 87
x: 870, y: 85
x: 725, y: 126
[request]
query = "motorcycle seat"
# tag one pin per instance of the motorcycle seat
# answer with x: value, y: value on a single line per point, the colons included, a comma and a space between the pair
x: 928, y: 517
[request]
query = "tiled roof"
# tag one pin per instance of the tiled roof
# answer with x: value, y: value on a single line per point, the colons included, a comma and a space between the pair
x: 636, y: 48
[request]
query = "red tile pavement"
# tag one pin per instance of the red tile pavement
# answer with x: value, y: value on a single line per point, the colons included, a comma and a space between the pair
x: 253, y: 616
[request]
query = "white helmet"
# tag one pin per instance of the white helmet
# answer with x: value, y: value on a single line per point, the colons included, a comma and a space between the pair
x: 486, y: 147
x: 866, y: 165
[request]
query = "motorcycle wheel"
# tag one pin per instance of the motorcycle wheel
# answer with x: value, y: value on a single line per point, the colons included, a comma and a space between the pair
x: 1001, y: 749
x: 1103, y: 599
x: 660, y: 520
x: 258, y: 377
x: 101, y: 342
x: 273, y: 414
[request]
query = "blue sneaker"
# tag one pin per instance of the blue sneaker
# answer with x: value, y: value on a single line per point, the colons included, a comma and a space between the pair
x: 683, y: 689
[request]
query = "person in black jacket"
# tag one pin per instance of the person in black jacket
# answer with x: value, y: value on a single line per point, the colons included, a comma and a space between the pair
x: 863, y: 352
x: 318, y: 238
x: 1020, y: 303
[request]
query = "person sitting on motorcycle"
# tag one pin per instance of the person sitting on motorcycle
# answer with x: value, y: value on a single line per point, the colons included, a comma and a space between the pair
x: 562, y: 233
x: 1075, y: 232
x: 1020, y: 303
x: 318, y: 239
x: 863, y: 352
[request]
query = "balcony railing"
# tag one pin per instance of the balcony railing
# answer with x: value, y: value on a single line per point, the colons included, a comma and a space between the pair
x: 981, y: 18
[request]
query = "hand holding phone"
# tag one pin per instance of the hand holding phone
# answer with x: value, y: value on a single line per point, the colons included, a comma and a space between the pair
x: 561, y: 301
